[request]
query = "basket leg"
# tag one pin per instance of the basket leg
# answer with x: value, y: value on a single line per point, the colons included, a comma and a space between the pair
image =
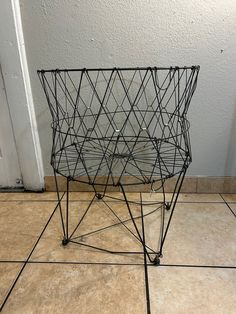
x: 66, y: 239
x: 172, y: 204
x: 156, y: 259
x: 59, y: 205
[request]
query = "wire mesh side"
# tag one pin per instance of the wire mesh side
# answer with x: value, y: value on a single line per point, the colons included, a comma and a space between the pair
x: 118, y: 123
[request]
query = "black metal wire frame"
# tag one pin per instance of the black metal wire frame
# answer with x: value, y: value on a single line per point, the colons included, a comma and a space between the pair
x: 152, y: 254
x: 119, y: 127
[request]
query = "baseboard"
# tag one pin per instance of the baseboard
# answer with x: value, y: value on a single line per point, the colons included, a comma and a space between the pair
x: 191, y: 184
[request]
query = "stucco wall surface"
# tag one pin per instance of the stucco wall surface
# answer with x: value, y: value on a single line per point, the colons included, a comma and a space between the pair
x: 99, y: 33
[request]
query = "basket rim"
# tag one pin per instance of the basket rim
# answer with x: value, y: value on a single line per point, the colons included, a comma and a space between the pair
x: 192, y: 67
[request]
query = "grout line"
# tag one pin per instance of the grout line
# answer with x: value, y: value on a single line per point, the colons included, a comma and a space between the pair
x: 22, y: 200
x: 85, y: 263
x: 120, y: 264
x: 9, y: 261
x: 26, y: 262
x: 228, y: 205
x: 196, y: 266
x: 73, y: 263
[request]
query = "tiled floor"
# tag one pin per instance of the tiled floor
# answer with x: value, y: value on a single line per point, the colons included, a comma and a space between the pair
x: 38, y: 275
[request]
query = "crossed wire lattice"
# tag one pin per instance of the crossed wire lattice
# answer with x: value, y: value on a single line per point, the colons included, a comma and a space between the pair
x: 119, y: 122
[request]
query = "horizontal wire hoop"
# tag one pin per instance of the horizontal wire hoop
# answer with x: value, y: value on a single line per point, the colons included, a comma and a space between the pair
x: 119, y: 122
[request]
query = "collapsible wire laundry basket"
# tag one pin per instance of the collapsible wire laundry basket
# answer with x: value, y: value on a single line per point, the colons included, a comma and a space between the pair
x: 118, y: 127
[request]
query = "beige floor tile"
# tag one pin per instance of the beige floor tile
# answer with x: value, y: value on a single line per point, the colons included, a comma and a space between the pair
x: 80, y: 196
x: 148, y: 197
x: 131, y: 196
x: 21, y: 223
x: 152, y: 197
x: 184, y: 197
x: 201, y: 234
x: 192, y: 290
x: 52, y: 196
x: 84, y: 289
x: 99, y: 216
x: 229, y: 197
x: 28, y: 196
x: 199, y: 197
x: 8, y: 273
x: 118, y: 196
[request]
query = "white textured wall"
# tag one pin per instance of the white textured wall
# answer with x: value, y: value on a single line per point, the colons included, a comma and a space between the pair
x: 86, y: 33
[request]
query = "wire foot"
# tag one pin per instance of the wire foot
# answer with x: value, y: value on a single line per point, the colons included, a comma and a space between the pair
x: 167, y: 206
x: 156, y: 260
x: 65, y: 241
x: 99, y: 196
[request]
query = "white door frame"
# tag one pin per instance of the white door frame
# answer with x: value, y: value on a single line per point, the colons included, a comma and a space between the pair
x: 19, y: 95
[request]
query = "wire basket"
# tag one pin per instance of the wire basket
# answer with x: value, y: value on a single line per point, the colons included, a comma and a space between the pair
x: 120, y: 126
